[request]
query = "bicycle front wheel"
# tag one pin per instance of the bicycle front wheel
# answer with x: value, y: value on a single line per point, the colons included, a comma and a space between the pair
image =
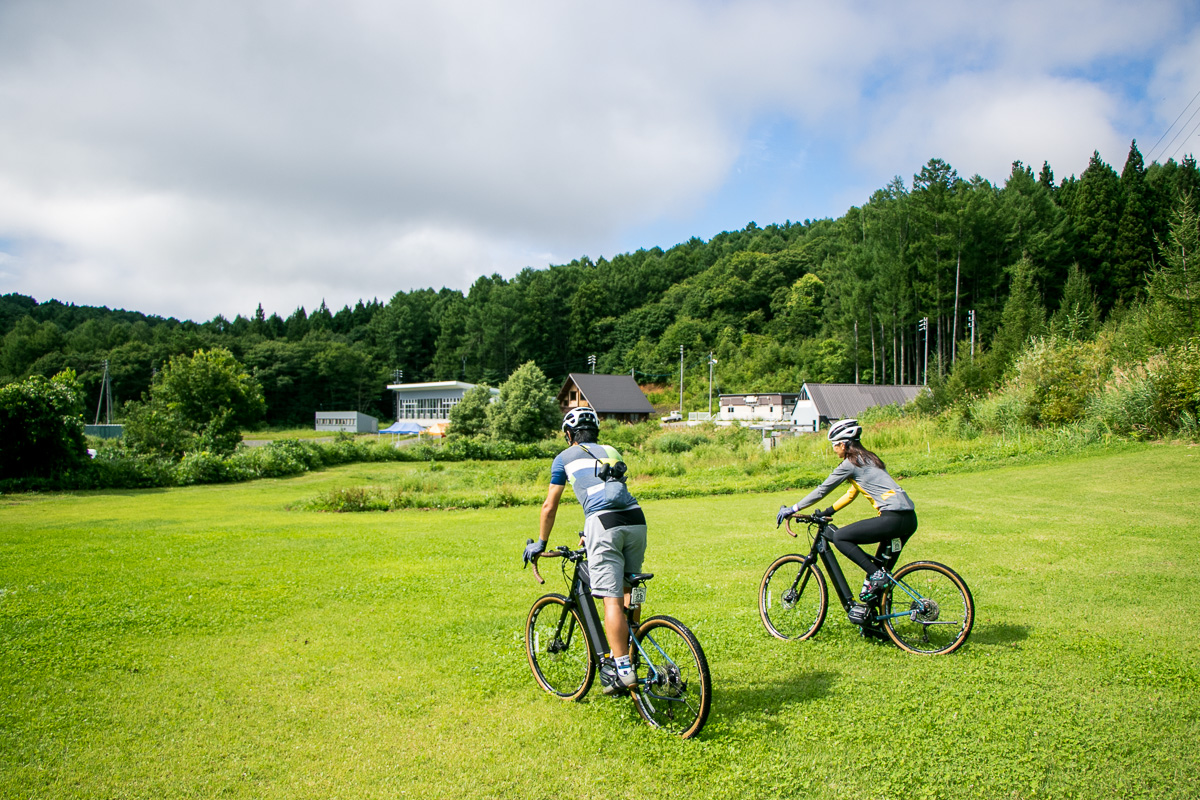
x: 929, y: 610
x: 557, y: 647
x: 674, y: 690
x: 792, y: 598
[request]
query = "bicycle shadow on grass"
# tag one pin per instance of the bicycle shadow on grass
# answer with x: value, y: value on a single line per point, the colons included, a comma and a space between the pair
x: 758, y: 698
x: 998, y: 634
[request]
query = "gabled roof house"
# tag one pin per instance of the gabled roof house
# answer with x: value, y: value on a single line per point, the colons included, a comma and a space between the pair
x: 822, y: 403
x: 611, y: 396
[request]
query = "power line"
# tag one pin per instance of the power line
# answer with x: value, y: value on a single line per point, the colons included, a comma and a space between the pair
x: 1172, y: 125
x: 1195, y: 128
x: 1181, y: 130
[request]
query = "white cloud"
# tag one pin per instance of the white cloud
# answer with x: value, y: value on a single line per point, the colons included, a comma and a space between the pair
x: 980, y: 124
x: 195, y: 159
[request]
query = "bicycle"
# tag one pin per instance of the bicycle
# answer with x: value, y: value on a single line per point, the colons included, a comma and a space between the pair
x: 564, y: 639
x: 926, y: 608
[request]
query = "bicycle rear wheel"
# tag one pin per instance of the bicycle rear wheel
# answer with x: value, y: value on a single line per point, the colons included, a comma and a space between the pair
x: 792, y: 599
x: 939, y: 619
x: 674, y: 689
x: 557, y: 647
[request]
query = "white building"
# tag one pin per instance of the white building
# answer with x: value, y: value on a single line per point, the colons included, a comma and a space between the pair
x: 429, y: 403
x: 346, y: 421
x: 762, y: 407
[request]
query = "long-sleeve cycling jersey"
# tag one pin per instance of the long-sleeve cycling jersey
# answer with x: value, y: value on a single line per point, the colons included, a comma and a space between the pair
x: 879, y: 487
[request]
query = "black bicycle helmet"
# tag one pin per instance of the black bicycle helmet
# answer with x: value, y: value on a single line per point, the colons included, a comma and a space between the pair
x: 582, y: 417
x: 844, y: 430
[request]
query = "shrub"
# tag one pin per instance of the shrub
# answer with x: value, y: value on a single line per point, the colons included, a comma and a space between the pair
x: 678, y: 442
x: 999, y: 411
x: 1056, y: 378
x: 206, y: 467
x: 41, y: 428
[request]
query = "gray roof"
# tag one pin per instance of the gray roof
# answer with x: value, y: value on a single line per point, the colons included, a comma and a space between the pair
x: 841, y: 400
x: 610, y: 394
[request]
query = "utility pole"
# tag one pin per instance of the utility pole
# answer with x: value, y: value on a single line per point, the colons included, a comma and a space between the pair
x: 681, y: 380
x: 592, y: 363
x: 711, y: 362
x: 105, y: 397
x: 397, y: 375
x: 855, y: 352
x: 923, y: 325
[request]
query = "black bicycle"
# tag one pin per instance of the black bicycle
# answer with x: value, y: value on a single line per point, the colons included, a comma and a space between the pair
x: 926, y: 608
x: 564, y: 639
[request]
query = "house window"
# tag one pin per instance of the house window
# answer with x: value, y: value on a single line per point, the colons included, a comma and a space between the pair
x: 574, y: 396
x: 426, y: 408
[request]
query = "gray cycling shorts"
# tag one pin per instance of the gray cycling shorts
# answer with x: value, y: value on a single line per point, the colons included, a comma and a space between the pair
x: 613, y: 552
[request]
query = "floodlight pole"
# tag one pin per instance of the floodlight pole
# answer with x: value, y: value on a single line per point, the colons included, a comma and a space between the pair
x: 923, y: 325
x: 711, y: 361
x: 681, y: 380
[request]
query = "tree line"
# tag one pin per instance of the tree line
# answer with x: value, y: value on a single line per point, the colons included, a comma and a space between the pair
x: 900, y: 289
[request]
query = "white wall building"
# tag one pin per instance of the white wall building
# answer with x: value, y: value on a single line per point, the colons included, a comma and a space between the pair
x: 763, y: 407
x: 346, y: 421
x: 429, y: 403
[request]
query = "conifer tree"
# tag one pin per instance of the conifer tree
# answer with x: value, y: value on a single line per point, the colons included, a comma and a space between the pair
x: 1132, y: 251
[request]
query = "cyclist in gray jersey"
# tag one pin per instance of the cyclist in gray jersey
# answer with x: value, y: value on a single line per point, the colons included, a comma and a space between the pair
x: 897, y: 517
x: 614, y: 532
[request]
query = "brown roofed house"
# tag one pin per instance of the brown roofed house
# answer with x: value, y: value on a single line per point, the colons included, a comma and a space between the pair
x: 611, y: 396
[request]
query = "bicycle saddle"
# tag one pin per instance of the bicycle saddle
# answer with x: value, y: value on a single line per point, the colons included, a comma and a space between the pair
x: 633, y: 579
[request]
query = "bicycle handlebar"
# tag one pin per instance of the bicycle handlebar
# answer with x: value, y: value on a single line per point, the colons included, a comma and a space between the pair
x: 562, y: 551
x: 817, y: 519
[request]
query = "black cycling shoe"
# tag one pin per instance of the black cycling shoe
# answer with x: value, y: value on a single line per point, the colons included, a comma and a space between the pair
x: 874, y: 586
x: 610, y: 681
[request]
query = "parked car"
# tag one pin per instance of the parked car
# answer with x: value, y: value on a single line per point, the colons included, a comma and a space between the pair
x: 674, y: 416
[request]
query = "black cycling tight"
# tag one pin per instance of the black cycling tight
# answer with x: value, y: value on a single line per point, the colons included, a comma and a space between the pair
x: 887, y: 526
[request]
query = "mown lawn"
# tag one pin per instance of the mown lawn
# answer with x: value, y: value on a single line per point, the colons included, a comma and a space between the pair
x: 206, y: 641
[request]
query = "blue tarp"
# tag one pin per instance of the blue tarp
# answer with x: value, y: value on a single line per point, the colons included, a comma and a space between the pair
x: 403, y: 427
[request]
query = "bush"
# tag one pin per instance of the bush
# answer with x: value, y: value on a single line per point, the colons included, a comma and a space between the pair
x: 1057, y: 377
x: 678, y: 442
x: 41, y: 429
x: 1153, y: 399
x: 206, y: 467
x: 999, y: 412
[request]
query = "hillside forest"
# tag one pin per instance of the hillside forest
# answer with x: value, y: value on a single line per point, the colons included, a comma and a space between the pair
x: 947, y: 280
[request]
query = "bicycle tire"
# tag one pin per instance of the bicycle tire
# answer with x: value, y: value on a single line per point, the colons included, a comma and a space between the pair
x: 556, y: 644
x: 792, y: 613
x: 674, y: 690
x: 934, y: 629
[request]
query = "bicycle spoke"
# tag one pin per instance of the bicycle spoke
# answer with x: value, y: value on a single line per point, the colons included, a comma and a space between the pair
x: 932, y: 612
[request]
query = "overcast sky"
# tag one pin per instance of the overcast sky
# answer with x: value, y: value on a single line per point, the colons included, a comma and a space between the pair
x: 191, y: 159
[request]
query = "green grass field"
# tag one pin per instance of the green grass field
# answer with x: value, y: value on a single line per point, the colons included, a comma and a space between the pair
x: 208, y: 642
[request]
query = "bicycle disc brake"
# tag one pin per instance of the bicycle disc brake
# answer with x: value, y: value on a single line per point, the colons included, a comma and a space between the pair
x: 925, y: 610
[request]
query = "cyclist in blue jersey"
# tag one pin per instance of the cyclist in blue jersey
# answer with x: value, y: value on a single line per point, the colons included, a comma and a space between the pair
x: 614, y: 532
x: 891, y: 528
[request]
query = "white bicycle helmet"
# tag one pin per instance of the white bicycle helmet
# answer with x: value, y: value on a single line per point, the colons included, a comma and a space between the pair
x: 844, y: 430
x: 582, y: 417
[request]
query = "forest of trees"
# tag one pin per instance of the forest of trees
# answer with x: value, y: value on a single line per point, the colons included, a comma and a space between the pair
x: 851, y: 299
